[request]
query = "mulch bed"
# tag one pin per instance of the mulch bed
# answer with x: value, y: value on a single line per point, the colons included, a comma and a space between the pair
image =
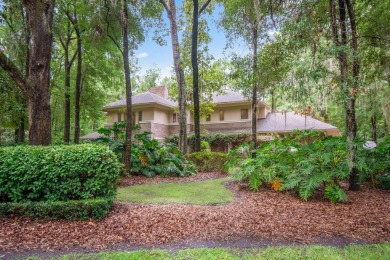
x: 263, y: 216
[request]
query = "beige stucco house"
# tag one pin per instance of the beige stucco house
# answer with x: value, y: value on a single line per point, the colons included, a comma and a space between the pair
x: 155, y: 112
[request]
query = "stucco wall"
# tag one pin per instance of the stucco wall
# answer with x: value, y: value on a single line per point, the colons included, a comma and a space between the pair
x: 161, y: 116
x: 230, y: 114
x: 233, y: 127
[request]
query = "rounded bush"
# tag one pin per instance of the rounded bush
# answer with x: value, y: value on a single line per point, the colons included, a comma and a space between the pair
x: 57, y: 173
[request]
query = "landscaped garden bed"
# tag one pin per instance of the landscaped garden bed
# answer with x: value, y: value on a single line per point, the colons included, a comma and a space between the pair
x: 270, y: 216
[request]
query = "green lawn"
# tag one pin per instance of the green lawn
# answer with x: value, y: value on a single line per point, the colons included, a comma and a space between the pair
x: 200, y: 192
x: 366, y: 252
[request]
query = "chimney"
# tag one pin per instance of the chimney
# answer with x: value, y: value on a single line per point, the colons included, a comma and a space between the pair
x: 162, y: 91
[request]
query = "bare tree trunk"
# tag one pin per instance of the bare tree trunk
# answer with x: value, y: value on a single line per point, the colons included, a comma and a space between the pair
x: 68, y: 65
x: 195, y: 72
x: 351, y: 120
x: 254, y: 88
x: 124, y: 23
x: 349, y: 92
x: 67, y: 97
x: 195, y: 69
x: 36, y: 87
x: 179, y: 78
x: 170, y: 7
x: 78, y: 87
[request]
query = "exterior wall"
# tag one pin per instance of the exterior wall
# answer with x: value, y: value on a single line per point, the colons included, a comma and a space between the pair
x: 160, y: 131
x: 262, y: 112
x: 232, y: 113
x: 161, y: 116
x: 228, y: 127
x: 147, y: 114
x: 112, y: 117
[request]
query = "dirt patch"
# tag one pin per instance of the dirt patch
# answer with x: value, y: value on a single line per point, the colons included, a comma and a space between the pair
x: 266, y: 217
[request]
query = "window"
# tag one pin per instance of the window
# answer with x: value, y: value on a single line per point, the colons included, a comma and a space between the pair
x: 221, y: 115
x: 139, y: 116
x: 208, y: 118
x: 244, y: 113
x: 119, y: 117
x: 133, y: 118
x: 174, y: 118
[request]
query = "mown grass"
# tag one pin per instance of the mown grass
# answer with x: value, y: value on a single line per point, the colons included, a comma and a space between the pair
x: 199, y: 193
x: 353, y: 252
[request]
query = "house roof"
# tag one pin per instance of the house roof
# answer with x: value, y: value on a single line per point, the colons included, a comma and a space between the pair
x: 228, y: 96
x: 281, y: 122
x: 289, y: 121
x: 143, y: 98
x: 94, y: 135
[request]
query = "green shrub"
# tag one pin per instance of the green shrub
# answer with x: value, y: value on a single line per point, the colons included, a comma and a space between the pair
x: 70, y: 210
x: 286, y: 164
x: 207, y: 161
x: 148, y: 156
x: 212, y: 139
x: 204, y: 146
x: 377, y: 164
x: 57, y: 173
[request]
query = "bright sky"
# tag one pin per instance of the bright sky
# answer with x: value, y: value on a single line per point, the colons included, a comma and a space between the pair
x: 152, y: 55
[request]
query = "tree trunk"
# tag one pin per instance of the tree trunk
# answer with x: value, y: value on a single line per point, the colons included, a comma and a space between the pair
x: 36, y: 87
x: 351, y: 112
x: 349, y: 92
x: 195, y: 72
x: 124, y: 24
x: 67, y: 91
x: 273, y: 105
x: 78, y: 87
x: 254, y: 88
x: 171, y: 10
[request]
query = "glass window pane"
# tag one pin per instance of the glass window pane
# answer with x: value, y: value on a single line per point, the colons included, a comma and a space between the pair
x: 244, y: 113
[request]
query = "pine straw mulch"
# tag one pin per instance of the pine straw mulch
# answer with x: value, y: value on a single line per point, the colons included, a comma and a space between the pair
x: 264, y: 215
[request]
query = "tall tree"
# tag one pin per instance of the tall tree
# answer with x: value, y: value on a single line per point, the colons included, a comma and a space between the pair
x: 170, y: 8
x: 349, y: 78
x: 65, y: 37
x: 35, y: 86
x: 73, y: 17
x: 139, y: 11
x: 124, y: 24
x: 195, y: 69
x: 250, y: 20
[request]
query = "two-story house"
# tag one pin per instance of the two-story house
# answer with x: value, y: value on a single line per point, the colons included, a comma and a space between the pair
x: 155, y: 112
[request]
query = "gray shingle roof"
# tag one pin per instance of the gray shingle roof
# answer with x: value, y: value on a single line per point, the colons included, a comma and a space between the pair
x: 228, y: 96
x: 147, y: 97
x: 143, y: 98
x: 94, y: 135
x: 289, y: 121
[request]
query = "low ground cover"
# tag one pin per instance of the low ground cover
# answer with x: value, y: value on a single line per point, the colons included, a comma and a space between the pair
x: 201, y: 193
x: 368, y: 252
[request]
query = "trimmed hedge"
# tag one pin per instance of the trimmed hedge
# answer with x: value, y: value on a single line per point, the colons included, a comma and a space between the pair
x: 70, y: 210
x: 57, y: 173
x: 207, y: 161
